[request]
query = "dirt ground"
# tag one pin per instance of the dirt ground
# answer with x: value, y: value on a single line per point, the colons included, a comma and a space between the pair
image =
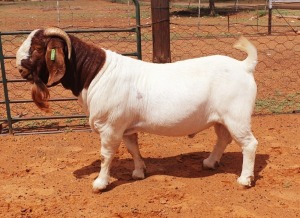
x: 51, y: 175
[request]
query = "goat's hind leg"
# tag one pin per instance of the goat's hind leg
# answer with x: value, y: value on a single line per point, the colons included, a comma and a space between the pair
x: 131, y: 142
x: 249, y: 145
x: 224, y: 138
x: 243, y: 135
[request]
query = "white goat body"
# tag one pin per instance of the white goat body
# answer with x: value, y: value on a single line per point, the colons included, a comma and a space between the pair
x: 176, y: 99
x: 123, y: 96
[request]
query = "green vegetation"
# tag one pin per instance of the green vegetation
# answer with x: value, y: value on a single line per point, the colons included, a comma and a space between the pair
x: 286, y: 12
x: 279, y: 103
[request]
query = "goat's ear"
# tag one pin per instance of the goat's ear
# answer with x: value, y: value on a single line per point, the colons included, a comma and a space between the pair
x: 55, y: 60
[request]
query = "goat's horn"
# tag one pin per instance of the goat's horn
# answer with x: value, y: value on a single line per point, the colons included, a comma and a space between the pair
x: 54, y: 31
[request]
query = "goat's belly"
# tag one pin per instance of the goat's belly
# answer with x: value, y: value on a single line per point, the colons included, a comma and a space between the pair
x: 184, y: 127
x: 180, y: 116
x: 176, y: 130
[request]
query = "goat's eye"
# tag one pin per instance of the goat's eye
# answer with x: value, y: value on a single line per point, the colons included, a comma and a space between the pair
x: 37, y: 49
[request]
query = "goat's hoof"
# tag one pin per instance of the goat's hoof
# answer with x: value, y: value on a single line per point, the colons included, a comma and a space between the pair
x: 100, y: 184
x: 245, y: 181
x: 210, y: 166
x: 138, y: 174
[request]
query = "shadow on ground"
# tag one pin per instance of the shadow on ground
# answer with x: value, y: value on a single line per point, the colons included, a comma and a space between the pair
x: 185, y: 165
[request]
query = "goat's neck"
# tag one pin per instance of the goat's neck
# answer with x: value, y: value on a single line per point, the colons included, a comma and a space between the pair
x: 86, y: 62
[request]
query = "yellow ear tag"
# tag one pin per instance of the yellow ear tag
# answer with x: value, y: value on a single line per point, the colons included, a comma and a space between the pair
x: 52, y: 54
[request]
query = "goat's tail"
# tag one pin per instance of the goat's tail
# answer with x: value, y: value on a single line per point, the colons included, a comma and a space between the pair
x: 244, y: 45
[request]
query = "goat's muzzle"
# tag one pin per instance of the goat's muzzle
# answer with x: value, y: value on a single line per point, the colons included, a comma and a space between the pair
x: 26, y: 74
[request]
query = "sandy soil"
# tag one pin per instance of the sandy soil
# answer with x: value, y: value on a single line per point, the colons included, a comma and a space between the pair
x: 51, y: 176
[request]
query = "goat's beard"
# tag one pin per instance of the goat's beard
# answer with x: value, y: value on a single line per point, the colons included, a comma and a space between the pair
x: 40, y: 95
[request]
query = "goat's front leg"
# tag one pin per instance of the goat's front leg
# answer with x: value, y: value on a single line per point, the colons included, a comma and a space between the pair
x: 131, y: 142
x: 109, y: 147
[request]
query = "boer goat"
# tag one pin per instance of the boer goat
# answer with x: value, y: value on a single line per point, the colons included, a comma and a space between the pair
x: 123, y: 96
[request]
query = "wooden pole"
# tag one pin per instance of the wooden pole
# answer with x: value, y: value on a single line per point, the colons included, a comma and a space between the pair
x: 270, y: 21
x: 161, y: 31
x: 270, y: 18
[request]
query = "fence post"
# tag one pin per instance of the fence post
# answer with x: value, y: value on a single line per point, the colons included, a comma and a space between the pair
x: 5, y: 89
x: 161, y: 31
x: 270, y: 17
x: 138, y: 28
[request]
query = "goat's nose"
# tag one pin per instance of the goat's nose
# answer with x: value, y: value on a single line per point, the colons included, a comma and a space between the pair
x: 20, y: 70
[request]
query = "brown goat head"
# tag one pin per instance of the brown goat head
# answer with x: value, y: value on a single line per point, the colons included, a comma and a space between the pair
x: 41, y: 60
